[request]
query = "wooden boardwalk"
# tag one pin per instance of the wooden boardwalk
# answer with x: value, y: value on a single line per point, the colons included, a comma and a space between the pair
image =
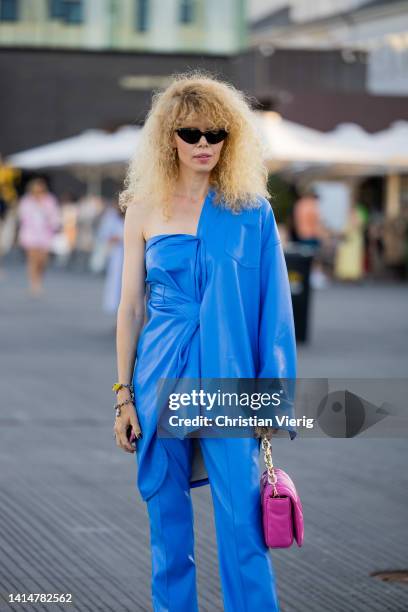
x: 71, y: 519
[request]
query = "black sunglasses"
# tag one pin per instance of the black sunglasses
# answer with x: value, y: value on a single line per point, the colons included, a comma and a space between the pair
x: 193, y: 135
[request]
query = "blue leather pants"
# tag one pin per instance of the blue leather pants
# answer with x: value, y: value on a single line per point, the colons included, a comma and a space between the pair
x: 246, y: 571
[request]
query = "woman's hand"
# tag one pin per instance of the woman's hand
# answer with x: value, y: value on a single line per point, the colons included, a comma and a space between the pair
x: 261, y: 431
x: 128, y: 418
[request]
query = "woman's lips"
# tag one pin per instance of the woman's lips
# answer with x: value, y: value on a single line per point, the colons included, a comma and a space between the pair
x: 202, y: 157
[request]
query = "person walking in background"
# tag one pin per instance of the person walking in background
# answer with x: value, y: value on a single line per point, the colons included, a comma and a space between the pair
x: 69, y: 217
x: 309, y: 230
x: 395, y: 240
x: 39, y: 219
x: 306, y: 217
x: 110, y: 232
x: 90, y: 210
x: 8, y: 199
x: 349, y: 258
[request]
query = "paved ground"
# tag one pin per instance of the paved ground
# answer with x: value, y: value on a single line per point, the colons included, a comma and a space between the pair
x: 71, y: 519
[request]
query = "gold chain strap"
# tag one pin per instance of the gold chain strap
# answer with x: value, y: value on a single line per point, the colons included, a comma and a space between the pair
x: 272, y: 478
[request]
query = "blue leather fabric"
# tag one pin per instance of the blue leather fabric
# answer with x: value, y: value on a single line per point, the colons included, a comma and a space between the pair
x: 218, y: 305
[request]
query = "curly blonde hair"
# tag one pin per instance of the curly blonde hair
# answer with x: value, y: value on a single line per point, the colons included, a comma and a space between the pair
x: 240, y: 175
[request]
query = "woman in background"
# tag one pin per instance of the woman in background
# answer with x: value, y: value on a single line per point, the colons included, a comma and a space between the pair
x: 311, y: 232
x: 110, y: 233
x: 39, y: 218
x: 349, y: 258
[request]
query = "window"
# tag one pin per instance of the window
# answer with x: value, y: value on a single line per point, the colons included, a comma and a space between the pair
x: 142, y: 9
x: 73, y: 11
x: 8, y: 10
x: 186, y: 11
x: 56, y: 9
x: 69, y: 11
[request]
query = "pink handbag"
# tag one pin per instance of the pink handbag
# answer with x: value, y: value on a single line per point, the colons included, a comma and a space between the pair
x: 282, y: 513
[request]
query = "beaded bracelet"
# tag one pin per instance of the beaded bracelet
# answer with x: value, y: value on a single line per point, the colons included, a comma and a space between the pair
x: 117, y: 407
x: 117, y: 386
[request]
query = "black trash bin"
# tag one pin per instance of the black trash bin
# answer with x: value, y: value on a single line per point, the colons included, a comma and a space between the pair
x: 298, y: 261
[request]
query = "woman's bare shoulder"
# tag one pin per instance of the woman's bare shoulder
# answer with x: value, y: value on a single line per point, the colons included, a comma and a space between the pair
x: 137, y: 215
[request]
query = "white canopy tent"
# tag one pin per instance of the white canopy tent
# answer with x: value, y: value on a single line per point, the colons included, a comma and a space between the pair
x: 287, y: 143
x: 115, y: 149
x: 70, y: 151
x: 393, y: 142
x: 391, y: 145
x: 89, y: 155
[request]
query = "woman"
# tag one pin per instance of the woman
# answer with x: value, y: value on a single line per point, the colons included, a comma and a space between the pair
x: 349, y: 258
x: 39, y: 218
x: 110, y: 236
x: 200, y: 234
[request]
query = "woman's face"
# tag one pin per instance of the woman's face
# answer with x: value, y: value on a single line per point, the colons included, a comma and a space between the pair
x: 38, y: 188
x: 201, y: 156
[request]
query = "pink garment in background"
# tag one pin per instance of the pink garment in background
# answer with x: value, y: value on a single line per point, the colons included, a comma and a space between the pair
x: 39, y: 220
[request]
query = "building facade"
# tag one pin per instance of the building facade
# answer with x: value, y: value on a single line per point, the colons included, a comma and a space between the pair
x: 208, y: 26
x: 377, y: 28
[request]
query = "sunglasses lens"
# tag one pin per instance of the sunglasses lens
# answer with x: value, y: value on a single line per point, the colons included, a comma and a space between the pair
x: 216, y: 137
x: 190, y: 136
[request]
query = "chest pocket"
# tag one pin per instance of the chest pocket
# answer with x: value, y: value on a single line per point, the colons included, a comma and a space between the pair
x: 242, y: 243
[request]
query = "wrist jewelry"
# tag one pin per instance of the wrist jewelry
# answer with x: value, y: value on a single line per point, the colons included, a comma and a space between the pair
x: 117, y: 407
x: 117, y: 386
